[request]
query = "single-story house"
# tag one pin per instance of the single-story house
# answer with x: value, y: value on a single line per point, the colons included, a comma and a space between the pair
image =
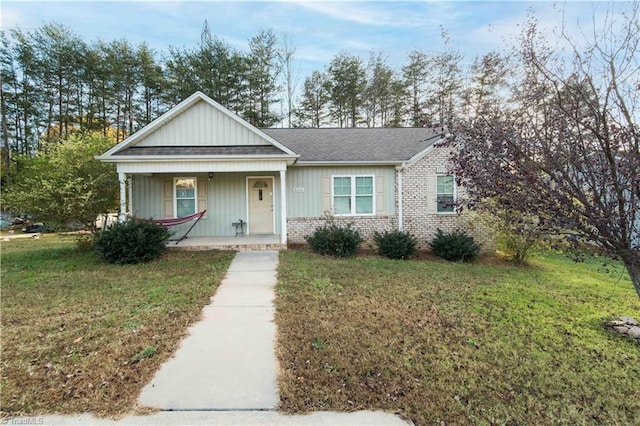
x: 284, y: 182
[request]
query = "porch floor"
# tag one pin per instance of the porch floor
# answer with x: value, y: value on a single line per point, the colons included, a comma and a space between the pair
x: 239, y: 243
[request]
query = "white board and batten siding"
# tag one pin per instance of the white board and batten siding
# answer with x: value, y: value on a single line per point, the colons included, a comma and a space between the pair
x: 224, y: 198
x: 202, y: 125
x: 309, y: 189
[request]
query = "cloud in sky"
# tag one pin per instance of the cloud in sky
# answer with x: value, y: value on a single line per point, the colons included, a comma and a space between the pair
x: 380, y: 14
x: 318, y: 30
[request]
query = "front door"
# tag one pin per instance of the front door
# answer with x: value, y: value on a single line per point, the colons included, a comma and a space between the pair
x: 260, y: 193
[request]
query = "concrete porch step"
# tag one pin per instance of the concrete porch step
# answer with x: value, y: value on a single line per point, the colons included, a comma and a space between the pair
x: 239, y: 243
x: 235, y: 247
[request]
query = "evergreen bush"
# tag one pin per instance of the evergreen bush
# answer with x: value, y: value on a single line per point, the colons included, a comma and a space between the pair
x: 455, y: 246
x: 335, y: 240
x: 395, y: 244
x: 133, y: 241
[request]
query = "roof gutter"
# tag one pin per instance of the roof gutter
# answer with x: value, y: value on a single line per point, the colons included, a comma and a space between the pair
x: 347, y: 163
x: 178, y: 158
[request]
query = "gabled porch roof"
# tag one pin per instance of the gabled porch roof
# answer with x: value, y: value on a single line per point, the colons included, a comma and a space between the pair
x: 199, y: 135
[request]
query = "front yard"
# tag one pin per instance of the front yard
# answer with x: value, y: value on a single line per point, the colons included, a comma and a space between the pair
x: 443, y: 343
x: 485, y: 343
x: 79, y: 335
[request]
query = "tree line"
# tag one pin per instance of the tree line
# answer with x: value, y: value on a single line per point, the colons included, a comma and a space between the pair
x: 54, y: 84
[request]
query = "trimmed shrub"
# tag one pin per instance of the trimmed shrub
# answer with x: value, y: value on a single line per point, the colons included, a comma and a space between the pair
x: 133, y: 241
x: 455, y: 246
x: 395, y: 244
x: 334, y: 240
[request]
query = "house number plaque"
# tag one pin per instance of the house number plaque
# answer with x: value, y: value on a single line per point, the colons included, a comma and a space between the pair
x: 298, y: 189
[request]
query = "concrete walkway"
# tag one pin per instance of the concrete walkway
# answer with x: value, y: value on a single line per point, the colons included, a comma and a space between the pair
x: 228, y: 359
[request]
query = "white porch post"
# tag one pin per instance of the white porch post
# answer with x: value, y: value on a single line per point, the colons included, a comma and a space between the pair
x: 283, y: 206
x: 122, y: 177
x: 130, y: 195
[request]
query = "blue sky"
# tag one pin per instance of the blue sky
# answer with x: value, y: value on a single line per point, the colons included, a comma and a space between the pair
x: 318, y: 30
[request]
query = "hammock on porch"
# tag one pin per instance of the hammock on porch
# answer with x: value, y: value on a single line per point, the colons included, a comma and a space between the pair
x: 177, y: 221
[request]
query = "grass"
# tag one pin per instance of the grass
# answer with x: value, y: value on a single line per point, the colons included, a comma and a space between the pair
x: 79, y: 335
x: 447, y: 343
x: 485, y: 343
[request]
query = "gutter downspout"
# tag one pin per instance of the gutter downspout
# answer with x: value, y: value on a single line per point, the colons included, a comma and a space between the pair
x: 400, y: 203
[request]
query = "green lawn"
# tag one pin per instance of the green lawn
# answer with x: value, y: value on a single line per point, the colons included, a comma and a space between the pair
x: 79, y: 335
x: 485, y: 343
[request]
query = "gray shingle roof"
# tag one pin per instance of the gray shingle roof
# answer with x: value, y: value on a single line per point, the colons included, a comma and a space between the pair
x: 356, y: 144
x: 391, y: 145
x: 230, y: 150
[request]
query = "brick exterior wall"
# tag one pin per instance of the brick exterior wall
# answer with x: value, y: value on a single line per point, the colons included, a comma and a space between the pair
x: 300, y: 227
x: 417, y: 218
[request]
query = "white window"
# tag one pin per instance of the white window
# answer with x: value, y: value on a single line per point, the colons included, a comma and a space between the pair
x: 446, y: 194
x: 185, y: 196
x: 353, y: 195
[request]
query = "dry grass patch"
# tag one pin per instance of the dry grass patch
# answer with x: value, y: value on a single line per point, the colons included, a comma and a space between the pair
x: 485, y: 343
x: 83, y: 336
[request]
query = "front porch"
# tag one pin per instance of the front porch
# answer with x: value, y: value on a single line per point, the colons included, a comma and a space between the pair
x: 239, y: 243
x: 200, y: 156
